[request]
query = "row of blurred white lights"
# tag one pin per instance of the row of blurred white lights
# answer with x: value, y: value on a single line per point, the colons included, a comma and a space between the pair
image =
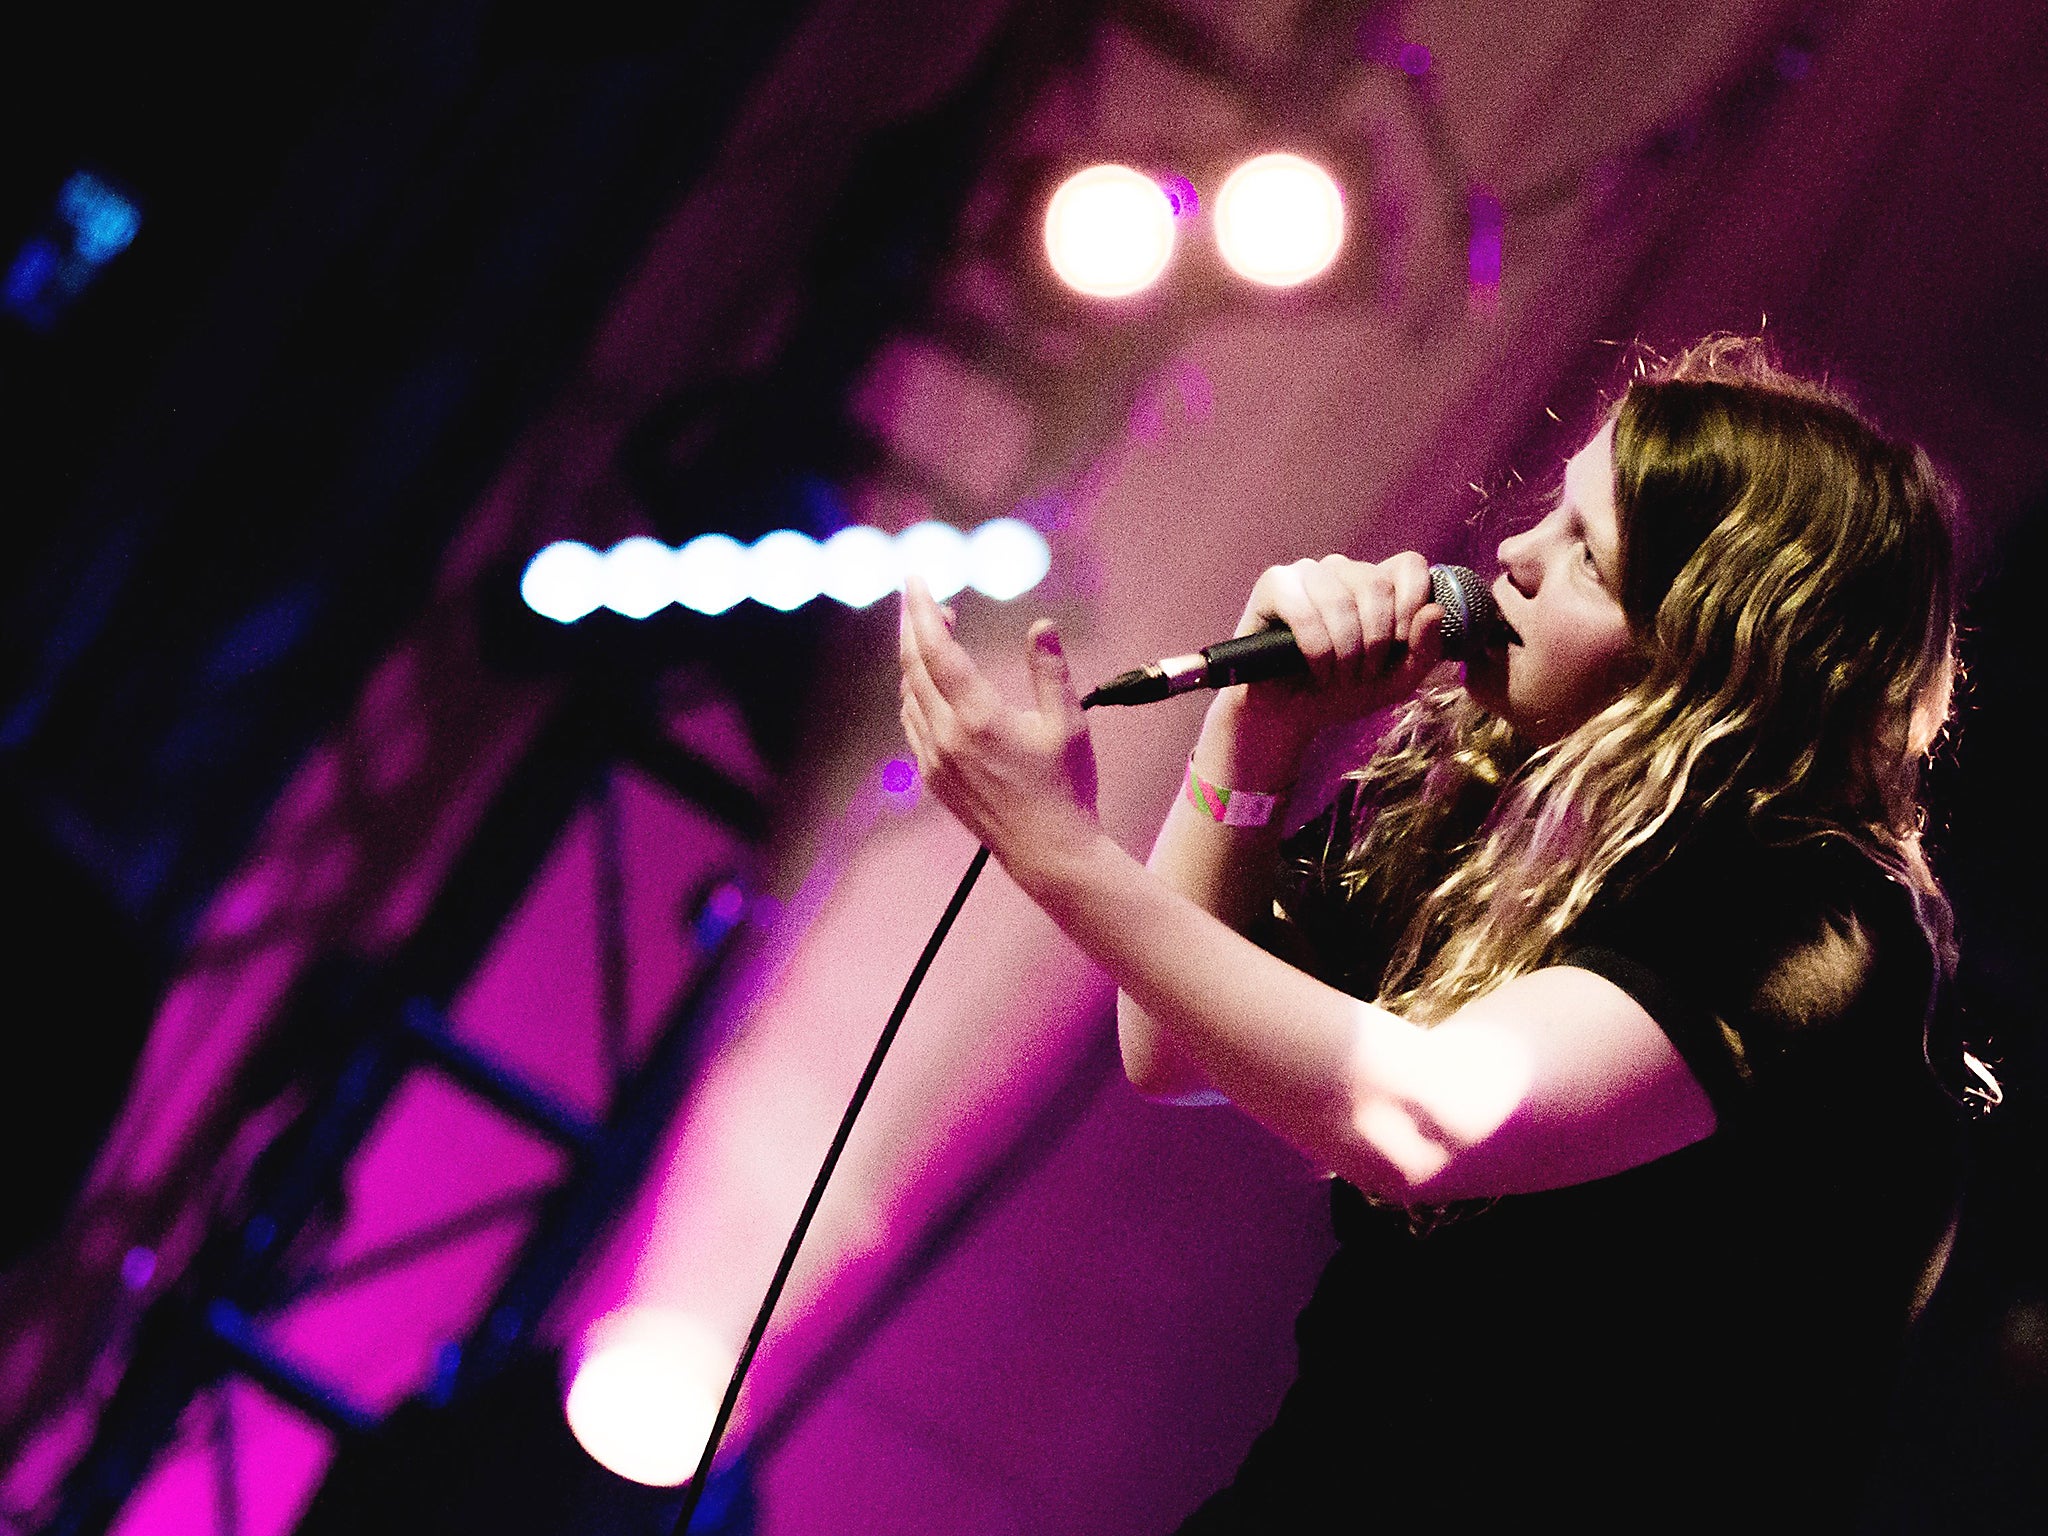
x: 638, y: 577
x: 1278, y: 221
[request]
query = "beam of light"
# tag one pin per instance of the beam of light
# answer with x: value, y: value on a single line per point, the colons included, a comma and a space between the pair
x: 564, y: 581
x: 1109, y: 231
x: 1279, y: 220
x: 645, y: 1392
x: 638, y: 577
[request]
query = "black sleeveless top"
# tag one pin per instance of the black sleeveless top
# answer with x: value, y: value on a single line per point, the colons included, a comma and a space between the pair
x: 1707, y: 1342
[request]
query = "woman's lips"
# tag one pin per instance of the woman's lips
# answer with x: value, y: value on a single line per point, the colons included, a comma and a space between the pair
x: 1504, y: 632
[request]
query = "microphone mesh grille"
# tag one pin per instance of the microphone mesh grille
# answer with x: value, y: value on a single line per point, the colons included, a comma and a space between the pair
x: 1470, y: 616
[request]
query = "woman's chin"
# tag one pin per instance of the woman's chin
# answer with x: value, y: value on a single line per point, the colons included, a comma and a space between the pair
x: 1486, y: 680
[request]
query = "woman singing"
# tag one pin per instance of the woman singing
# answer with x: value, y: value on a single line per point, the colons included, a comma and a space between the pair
x: 1603, y: 987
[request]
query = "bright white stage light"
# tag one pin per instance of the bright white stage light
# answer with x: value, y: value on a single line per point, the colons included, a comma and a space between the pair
x: 785, y: 570
x: 639, y: 577
x: 646, y: 1391
x: 711, y: 573
x: 564, y: 581
x: 938, y: 553
x: 861, y: 566
x: 1007, y: 558
x: 1109, y: 231
x: 1279, y: 220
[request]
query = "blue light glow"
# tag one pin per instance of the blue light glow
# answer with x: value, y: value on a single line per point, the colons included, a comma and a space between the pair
x: 103, y: 222
x: 92, y: 224
x: 31, y: 275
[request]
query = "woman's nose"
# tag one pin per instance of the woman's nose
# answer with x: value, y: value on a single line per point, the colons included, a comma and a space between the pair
x: 1516, y: 555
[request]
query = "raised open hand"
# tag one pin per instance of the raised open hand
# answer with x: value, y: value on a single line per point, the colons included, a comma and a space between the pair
x: 1022, y: 780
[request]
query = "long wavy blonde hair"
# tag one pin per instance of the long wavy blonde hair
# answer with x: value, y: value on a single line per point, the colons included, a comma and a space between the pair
x: 1788, y: 576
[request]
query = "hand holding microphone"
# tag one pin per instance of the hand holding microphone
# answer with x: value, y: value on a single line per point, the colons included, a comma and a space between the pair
x: 1358, y: 634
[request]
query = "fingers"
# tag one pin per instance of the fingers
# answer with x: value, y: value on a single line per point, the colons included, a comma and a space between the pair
x: 1345, y: 614
x: 1051, y: 682
x: 918, y: 732
x: 1349, y: 616
x: 1409, y: 574
x: 1356, y: 623
x: 941, y: 674
x: 1284, y: 592
x: 1425, y: 647
x: 1022, y: 780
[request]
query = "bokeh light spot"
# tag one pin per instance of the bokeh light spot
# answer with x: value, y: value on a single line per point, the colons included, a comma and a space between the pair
x: 719, y: 913
x: 1279, y: 220
x: 646, y: 1391
x: 786, y: 570
x: 711, y: 573
x: 1007, y: 558
x: 861, y: 566
x: 1003, y: 558
x: 138, y: 1268
x: 564, y: 582
x: 639, y: 577
x: 1109, y: 231
x: 938, y: 553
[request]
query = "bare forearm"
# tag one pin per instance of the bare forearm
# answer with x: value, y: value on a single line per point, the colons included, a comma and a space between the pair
x: 1228, y: 872
x: 1278, y: 1042
x: 1554, y: 1078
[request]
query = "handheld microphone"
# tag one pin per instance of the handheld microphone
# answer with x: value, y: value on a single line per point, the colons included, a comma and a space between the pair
x: 1471, y: 622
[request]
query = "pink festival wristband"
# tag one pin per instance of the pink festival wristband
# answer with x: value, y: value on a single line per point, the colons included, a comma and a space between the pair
x: 1229, y: 807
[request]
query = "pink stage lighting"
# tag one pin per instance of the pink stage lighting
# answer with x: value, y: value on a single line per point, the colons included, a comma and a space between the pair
x: 645, y: 1392
x: 1109, y: 231
x: 1279, y: 220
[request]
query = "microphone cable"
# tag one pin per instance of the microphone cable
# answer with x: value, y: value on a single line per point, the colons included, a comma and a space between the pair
x: 694, y: 1491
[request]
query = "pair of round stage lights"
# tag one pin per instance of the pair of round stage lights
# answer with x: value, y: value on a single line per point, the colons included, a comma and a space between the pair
x: 1109, y: 230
